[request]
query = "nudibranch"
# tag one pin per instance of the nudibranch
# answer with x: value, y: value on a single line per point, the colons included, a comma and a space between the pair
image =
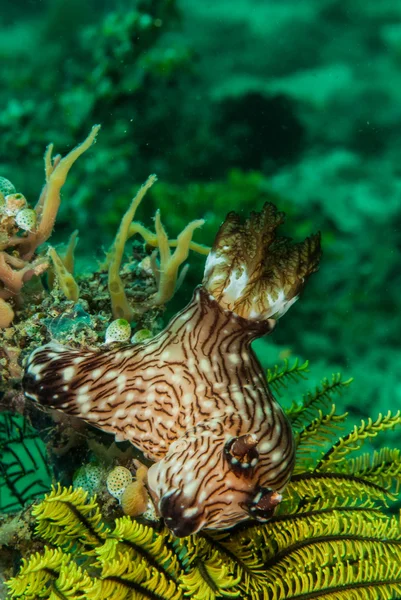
x: 194, y: 398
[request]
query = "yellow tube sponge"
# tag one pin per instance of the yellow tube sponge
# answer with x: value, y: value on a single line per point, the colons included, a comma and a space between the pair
x: 6, y: 314
x: 167, y: 273
x: 23, y: 229
x: 49, y: 202
x: 135, y: 498
x: 119, y: 302
x: 66, y: 280
x: 170, y: 263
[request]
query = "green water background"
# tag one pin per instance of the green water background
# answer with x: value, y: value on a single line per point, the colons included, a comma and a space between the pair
x: 231, y: 104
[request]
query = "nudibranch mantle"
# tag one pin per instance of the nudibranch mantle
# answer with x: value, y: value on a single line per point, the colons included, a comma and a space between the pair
x: 194, y: 398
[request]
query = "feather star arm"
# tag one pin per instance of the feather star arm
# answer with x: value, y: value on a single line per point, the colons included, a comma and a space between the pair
x: 194, y: 398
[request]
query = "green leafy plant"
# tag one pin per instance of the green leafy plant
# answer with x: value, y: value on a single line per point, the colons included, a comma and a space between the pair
x: 330, y: 539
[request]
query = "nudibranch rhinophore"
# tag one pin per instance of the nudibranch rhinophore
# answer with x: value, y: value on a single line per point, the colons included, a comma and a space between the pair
x: 194, y: 398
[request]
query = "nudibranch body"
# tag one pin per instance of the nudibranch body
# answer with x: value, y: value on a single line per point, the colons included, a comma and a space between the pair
x: 194, y: 398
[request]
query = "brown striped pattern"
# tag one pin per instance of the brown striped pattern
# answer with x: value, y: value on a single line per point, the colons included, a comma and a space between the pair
x: 179, y: 398
x: 184, y: 396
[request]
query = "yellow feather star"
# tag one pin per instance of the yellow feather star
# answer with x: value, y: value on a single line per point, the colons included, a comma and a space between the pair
x: 330, y: 539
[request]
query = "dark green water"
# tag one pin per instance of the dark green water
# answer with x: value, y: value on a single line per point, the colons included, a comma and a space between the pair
x: 231, y: 103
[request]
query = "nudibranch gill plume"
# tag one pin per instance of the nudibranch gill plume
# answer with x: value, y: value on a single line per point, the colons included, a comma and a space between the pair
x: 194, y: 398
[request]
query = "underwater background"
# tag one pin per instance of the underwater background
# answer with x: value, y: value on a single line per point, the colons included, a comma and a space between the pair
x: 231, y: 103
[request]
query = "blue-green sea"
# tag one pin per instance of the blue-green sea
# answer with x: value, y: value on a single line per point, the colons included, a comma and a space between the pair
x: 231, y: 104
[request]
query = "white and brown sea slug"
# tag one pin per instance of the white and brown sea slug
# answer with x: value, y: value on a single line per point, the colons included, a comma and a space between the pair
x: 194, y: 398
